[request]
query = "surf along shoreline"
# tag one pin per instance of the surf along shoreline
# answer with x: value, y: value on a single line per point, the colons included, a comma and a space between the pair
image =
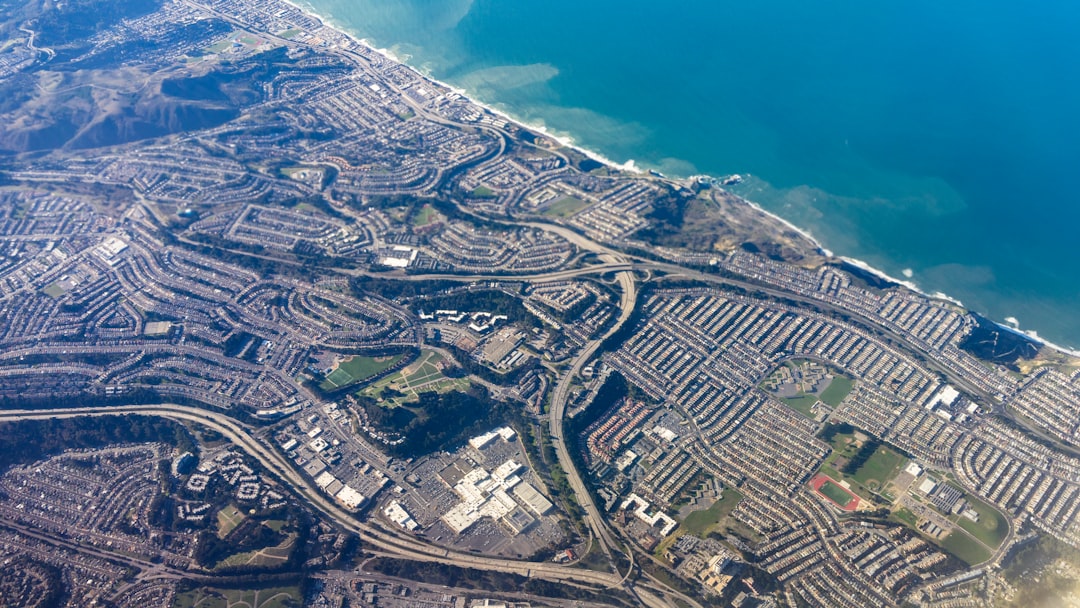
x: 629, y: 166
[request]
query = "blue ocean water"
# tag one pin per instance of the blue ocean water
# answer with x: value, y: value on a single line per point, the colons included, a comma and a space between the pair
x: 936, y: 139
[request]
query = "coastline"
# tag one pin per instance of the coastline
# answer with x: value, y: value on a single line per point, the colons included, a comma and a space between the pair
x: 629, y: 166
x: 564, y: 139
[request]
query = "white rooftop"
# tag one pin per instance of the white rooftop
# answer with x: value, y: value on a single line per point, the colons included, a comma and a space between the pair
x: 913, y: 469
x: 350, y: 497
x: 927, y: 486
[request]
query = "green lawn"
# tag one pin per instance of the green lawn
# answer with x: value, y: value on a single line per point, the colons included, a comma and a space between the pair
x: 361, y: 368
x: 992, y: 527
x: 289, y: 34
x: 270, y: 597
x: 270, y: 556
x: 423, y: 375
x: 565, y: 207
x: 905, y: 516
x: 275, y: 524
x: 701, y: 523
x: 425, y: 216
x: 483, y: 192
x: 965, y: 548
x: 838, y: 388
x: 228, y: 518
x: 54, y: 290
x: 338, y: 377
x: 880, y: 467
x: 216, y: 48
x: 835, y: 493
x: 802, y: 403
x: 358, y: 368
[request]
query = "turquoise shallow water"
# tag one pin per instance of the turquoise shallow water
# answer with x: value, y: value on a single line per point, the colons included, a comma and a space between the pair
x: 938, y: 138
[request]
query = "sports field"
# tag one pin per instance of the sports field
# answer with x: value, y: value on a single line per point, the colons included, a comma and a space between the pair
x: 565, y: 207
x: 992, y: 527
x: 836, y: 493
x: 357, y: 369
x: 880, y: 468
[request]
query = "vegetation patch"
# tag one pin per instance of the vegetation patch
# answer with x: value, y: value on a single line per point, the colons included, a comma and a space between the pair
x: 804, y: 404
x: 249, y: 545
x: 701, y: 523
x: 275, y: 524
x: 965, y: 548
x: 54, y: 290
x: 267, y: 557
x: 422, y: 376
x: 867, y: 465
x: 483, y: 192
x: 436, y: 421
x: 26, y: 441
x: 490, y: 582
x: 270, y: 597
x: 565, y: 207
x: 992, y: 342
x: 488, y: 300
x: 837, y: 390
x: 802, y: 383
x: 992, y: 527
x: 425, y: 215
x: 228, y: 518
x: 905, y: 516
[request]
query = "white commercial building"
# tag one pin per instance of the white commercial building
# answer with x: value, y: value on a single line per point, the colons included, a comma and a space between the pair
x: 400, y: 516
x: 350, y: 498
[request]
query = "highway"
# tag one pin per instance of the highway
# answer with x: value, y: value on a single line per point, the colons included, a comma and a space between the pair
x: 558, y: 275
x: 557, y: 410
x: 401, y: 546
x: 867, y: 323
x: 380, y: 539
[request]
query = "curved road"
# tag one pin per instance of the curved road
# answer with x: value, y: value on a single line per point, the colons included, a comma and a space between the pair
x: 402, y: 546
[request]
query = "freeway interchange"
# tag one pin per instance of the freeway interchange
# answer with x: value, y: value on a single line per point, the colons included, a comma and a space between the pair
x: 358, y: 229
x: 393, y: 542
x: 625, y: 269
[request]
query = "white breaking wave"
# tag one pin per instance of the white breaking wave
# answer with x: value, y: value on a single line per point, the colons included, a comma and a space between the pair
x: 630, y: 166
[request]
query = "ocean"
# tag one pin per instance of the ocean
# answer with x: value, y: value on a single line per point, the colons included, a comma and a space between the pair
x: 936, y: 141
